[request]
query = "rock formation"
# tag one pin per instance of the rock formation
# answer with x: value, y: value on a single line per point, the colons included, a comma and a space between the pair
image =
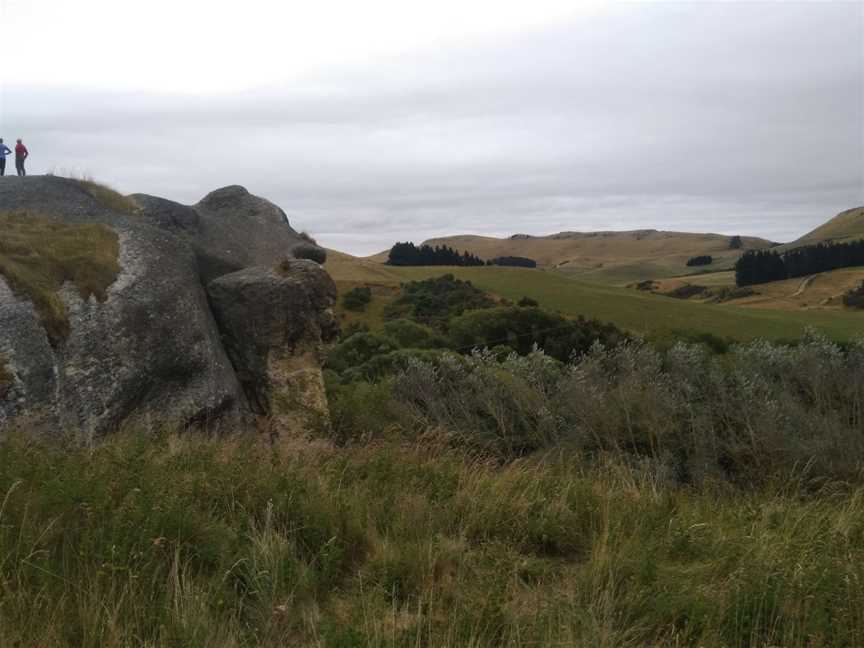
x: 274, y: 336
x: 149, y: 352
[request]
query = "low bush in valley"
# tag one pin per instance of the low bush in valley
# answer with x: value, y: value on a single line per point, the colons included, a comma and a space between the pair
x: 521, y: 329
x: 728, y: 293
x: 433, y: 302
x: 854, y: 298
x: 648, y: 285
x: 687, y: 291
x: 704, y: 259
x: 513, y: 262
x: 411, y: 335
x: 357, y: 298
x: 39, y: 254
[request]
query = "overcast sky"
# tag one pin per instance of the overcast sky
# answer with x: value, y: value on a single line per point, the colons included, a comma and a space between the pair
x: 384, y: 120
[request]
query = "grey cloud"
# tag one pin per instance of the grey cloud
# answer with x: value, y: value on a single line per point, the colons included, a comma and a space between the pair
x: 734, y: 117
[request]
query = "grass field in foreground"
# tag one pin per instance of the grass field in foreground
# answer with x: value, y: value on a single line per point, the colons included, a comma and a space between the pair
x: 185, y: 541
x: 640, y: 312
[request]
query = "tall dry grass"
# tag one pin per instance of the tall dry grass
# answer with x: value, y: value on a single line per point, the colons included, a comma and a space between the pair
x: 183, y: 541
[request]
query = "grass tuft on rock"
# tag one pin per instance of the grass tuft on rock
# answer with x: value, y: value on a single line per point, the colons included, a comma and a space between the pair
x: 108, y: 197
x: 38, y: 255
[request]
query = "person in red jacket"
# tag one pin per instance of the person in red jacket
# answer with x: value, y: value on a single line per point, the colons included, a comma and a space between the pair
x: 21, y: 154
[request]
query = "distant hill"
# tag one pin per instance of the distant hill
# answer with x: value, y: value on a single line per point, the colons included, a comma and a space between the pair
x: 347, y: 268
x: 614, y: 257
x: 624, y: 257
x: 847, y: 225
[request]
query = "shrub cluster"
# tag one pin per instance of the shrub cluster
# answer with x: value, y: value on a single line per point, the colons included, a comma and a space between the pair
x: 854, y: 298
x: 357, y: 298
x: 434, y: 301
x: 728, y: 293
x: 513, y: 261
x: 761, y: 410
x: 687, y: 291
x: 705, y: 259
x: 520, y: 329
x: 444, y: 313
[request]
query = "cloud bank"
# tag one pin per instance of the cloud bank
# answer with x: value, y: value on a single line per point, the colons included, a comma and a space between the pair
x: 732, y: 118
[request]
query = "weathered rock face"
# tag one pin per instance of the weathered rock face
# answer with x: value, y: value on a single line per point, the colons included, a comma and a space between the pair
x: 148, y: 355
x: 274, y: 329
x: 229, y: 229
x: 151, y: 353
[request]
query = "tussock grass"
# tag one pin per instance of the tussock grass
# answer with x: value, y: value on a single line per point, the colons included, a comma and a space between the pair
x: 38, y: 255
x: 108, y: 197
x: 172, y: 541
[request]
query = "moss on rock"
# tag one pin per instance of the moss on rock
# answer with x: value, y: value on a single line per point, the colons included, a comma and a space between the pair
x: 39, y: 254
x: 5, y: 377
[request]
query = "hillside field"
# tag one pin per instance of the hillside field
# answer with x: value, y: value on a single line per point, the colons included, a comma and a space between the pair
x: 625, y: 257
x: 823, y: 291
x: 845, y: 226
x: 608, y: 257
x: 630, y: 309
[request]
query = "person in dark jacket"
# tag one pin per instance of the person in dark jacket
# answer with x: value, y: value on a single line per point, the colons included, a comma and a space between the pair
x: 21, y: 154
x: 4, y: 151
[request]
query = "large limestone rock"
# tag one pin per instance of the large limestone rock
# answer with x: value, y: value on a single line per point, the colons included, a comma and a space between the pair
x: 150, y: 353
x: 274, y: 329
x: 229, y: 229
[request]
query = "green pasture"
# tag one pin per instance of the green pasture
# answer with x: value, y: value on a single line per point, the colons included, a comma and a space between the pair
x: 642, y: 312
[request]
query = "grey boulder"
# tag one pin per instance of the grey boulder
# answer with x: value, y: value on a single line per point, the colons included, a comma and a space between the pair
x: 151, y: 354
x: 275, y: 323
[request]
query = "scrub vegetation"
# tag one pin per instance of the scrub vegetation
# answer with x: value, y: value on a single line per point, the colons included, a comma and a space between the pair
x: 552, y: 481
x: 428, y: 534
x: 38, y: 255
x: 854, y: 298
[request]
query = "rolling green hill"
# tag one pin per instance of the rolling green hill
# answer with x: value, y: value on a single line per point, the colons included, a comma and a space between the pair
x: 629, y: 309
x: 611, y: 257
x: 625, y: 257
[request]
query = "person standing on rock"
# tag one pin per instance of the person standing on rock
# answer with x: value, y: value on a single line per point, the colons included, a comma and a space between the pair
x: 4, y: 151
x: 21, y: 154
